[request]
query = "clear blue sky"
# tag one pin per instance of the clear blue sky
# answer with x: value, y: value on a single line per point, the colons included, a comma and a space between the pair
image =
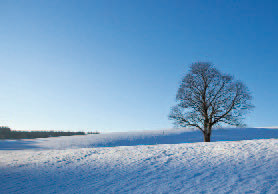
x: 116, y: 65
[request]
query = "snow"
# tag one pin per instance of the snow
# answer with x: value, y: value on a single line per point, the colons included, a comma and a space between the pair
x: 170, y: 136
x: 143, y: 162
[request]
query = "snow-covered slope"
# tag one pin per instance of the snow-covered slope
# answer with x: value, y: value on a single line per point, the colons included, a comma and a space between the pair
x: 170, y: 136
x: 249, y: 166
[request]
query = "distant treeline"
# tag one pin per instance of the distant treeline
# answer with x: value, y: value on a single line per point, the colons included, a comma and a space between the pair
x: 7, y: 133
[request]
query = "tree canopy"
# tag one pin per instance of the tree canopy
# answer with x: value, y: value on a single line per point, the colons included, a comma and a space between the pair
x: 207, y: 98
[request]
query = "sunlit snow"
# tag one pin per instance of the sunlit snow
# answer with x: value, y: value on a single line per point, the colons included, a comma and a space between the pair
x: 165, y: 161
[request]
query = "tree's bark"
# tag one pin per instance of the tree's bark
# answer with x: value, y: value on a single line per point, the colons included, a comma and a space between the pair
x: 206, y: 137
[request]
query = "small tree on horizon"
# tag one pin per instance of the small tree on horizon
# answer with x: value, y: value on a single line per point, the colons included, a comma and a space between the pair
x: 207, y: 98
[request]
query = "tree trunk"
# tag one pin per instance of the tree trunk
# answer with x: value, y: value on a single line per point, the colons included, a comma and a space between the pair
x: 207, y: 137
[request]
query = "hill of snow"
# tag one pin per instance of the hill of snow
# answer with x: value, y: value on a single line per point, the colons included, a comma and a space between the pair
x: 170, y: 136
x: 132, y: 163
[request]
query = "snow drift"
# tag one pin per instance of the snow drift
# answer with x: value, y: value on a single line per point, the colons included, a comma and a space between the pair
x: 81, y: 165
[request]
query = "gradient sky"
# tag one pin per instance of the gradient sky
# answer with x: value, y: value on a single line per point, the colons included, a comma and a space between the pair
x: 116, y: 65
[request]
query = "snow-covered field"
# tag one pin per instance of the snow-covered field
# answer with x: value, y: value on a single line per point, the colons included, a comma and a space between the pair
x: 143, y: 162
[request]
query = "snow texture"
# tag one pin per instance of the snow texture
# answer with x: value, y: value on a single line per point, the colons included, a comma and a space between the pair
x: 116, y: 163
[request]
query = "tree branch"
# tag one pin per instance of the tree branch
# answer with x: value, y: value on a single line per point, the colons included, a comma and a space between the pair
x: 229, y: 110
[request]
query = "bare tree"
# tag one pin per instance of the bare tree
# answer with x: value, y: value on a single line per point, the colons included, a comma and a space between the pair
x: 207, y: 98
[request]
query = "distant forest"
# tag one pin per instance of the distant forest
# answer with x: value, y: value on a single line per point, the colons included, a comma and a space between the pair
x: 7, y: 133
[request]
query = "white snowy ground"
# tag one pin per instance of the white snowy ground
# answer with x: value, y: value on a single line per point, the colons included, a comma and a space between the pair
x: 97, y: 164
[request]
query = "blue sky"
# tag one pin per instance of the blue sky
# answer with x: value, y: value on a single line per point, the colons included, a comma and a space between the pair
x: 116, y: 65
